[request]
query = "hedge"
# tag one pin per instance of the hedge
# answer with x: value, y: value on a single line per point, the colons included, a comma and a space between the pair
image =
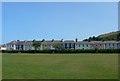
x: 65, y: 51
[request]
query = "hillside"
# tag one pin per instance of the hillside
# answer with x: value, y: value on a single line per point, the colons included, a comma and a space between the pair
x: 112, y: 36
x: 109, y: 36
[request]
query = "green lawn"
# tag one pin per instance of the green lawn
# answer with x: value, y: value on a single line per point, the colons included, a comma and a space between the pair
x: 0, y: 66
x: 60, y: 66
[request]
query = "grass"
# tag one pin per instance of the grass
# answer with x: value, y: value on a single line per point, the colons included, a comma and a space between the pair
x: 0, y: 66
x: 60, y: 66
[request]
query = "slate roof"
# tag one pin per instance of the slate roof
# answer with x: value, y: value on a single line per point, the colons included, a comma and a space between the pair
x: 91, y: 42
x: 11, y: 43
x: 96, y: 42
x: 25, y: 43
x: 58, y: 41
x: 3, y: 45
x: 82, y: 42
x: 47, y: 42
x: 20, y: 43
x: 111, y: 41
x: 69, y: 41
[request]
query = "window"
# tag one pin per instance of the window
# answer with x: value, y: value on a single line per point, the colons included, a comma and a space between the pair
x: 83, y: 45
x: 79, y: 45
x: 87, y: 45
x: 65, y: 45
x: 70, y: 45
x: 45, y: 45
x: 113, y: 44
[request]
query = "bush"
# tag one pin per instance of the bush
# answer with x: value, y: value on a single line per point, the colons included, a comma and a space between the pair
x: 65, y: 51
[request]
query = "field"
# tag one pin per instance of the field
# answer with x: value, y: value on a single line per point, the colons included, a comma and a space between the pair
x: 0, y: 66
x: 60, y: 66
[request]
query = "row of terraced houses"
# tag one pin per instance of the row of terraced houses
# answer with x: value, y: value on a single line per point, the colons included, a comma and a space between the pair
x: 68, y: 44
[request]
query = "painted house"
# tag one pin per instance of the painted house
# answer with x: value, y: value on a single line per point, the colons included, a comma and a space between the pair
x: 68, y: 44
x: 111, y: 44
x: 118, y: 44
x: 57, y: 42
x: 48, y: 44
x: 82, y: 45
x: 20, y: 45
x: 11, y: 45
x: 97, y: 45
x: 27, y: 45
x: 3, y: 47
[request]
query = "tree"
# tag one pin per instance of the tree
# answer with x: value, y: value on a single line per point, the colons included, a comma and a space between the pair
x: 118, y: 36
x: 36, y: 45
x: 94, y: 38
x: 85, y: 40
x: 89, y: 39
x: 58, y: 46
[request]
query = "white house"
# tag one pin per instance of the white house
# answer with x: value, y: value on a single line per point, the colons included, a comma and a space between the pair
x: 68, y: 44
x: 3, y: 47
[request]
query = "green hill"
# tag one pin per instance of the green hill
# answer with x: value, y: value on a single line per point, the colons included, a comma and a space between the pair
x: 109, y: 36
x: 112, y: 36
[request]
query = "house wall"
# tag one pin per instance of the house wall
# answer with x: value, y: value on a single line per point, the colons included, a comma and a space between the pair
x: 97, y: 45
x: 28, y: 47
x: 111, y: 45
x: 14, y: 47
x: 118, y: 45
x: 82, y: 46
x: 10, y: 47
x: 3, y: 48
x: 46, y: 46
x: 69, y: 45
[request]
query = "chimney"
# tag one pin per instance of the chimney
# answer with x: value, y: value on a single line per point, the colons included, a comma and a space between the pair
x: 43, y: 40
x: 25, y: 41
x: 61, y: 40
x: 76, y: 40
x: 34, y: 40
x: 18, y: 40
x: 52, y: 40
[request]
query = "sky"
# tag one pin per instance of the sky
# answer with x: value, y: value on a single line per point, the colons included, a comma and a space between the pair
x: 57, y: 20
x: 0, y: 22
